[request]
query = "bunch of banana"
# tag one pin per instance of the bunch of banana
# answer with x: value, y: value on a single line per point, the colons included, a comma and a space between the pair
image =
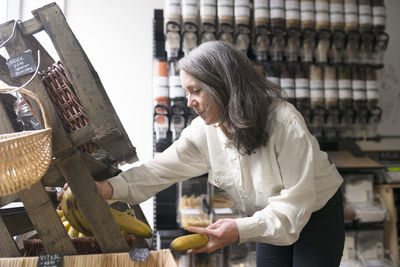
x: 188, y: 242
x: 72, y: 232
x: 124, y: 220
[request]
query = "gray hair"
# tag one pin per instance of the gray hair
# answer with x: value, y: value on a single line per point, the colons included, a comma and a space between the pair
x: 242, y: 94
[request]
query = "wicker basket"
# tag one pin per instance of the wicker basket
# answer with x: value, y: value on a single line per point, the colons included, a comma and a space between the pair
x: 24, y: 156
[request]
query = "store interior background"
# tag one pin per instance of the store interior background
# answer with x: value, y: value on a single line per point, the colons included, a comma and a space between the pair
x: 117, y: 38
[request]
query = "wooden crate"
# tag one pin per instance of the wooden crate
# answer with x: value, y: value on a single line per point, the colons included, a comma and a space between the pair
x: 160, y: 258
x: 69, y: 163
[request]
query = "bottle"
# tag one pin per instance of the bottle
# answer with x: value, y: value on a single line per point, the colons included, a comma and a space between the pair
x: 336, y: 15
x: 365, y: 15
x: 378, y: 15
x: 350, y: 15
x: 287, y: 82
x: 307, y: 14
x: 322, y: 14
x: 292, y: 14
x: 25, y: 118
x: 277, y: 13
x: 178, y: 102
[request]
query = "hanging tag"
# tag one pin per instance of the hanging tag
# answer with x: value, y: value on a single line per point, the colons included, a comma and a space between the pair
x: 50, y: 260
x: 139, y: 254
x: 21, y: 64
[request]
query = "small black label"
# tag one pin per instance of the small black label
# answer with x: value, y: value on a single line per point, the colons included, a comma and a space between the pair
x: 21, y: 64
x: 50, y: 260
x: 139, y: 254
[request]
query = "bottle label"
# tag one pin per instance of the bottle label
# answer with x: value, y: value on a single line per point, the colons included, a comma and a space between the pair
x: 378, y: 11
x: 302, y: 93
x: 307, y: 16
x: 261, y: 9
x: 175, y: 87
x: 345, y: 93
x: 316, y: 89
x: 351, y: 18
x: 371, y: 85
x: 208, y: 8
x: 344, y: 86
x: 365, y: 14
x: 287, y: 83
x: 330, y: 84
x: 322, y: 7
x: 261, y: 13
x: 292, y: 10
x: 316, y: 94
x: 372, y: 94
x: 242, y: 8
x: 173, y: 8
x: 322, y: 16
x: 275, y: 80
x: 160, y: 86
x: 225, y: 8
x: 379, y: 20
x: 277, y: 9
x: 336, y: 8
x: 331, y: 93
x: 189, y: 8
x: 336, y: 18
x: 350, y: 9
x: 307, y: 6
x: 358, y: 88
x: 302, y: 88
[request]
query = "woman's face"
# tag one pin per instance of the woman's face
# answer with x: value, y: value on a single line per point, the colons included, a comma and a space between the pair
x: 199, y: 99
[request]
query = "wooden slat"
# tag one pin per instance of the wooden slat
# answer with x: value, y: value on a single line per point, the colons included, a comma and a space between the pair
x: 86, y: 82
x: 31, y: 26
x: 93, y: 206
x: 46, y: 221
x: 16, y: 46
x: 8, y: 248
x: 345, y: 160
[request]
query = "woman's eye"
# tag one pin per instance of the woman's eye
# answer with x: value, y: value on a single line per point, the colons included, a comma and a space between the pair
x: 196, y: 91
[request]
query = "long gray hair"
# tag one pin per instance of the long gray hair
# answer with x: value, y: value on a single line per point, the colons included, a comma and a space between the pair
x: 242, y: 94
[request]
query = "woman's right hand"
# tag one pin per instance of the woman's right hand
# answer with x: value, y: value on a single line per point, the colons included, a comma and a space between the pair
x: 105, y: 189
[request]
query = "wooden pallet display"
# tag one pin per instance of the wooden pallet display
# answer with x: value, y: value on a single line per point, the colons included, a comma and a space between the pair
x: 70, y: 164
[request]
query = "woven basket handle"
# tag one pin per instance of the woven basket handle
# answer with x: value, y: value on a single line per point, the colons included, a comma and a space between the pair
x: 36, y: 98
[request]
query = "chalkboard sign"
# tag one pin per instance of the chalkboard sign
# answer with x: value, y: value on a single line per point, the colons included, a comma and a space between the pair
x: 50, y: 260
x: 139, y: 254
x: 21, y: 64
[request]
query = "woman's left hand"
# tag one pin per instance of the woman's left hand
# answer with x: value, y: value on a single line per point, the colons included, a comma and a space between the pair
x: 221, y: 234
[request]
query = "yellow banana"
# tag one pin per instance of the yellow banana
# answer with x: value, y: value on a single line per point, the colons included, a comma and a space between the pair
x: 130, y: 224
x: 60, y: 212
x: 72, y: 213
x: 188, y: 242
x: 124, y: 220
x: 81, y: 235
x: 72, y: 232
x: 67, y: 225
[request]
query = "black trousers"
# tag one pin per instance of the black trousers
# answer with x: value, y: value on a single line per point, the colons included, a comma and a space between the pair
x: 320, y: 243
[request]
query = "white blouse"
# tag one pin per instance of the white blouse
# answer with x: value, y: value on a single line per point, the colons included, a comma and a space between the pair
x: 279, y: 186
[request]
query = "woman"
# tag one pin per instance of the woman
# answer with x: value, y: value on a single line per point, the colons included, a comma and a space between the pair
x: 258, y: 149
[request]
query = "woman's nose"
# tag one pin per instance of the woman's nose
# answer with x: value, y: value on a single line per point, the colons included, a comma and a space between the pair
x: 191, y: 102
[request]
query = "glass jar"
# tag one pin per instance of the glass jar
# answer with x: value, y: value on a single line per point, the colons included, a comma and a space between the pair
x: 287, y: 82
